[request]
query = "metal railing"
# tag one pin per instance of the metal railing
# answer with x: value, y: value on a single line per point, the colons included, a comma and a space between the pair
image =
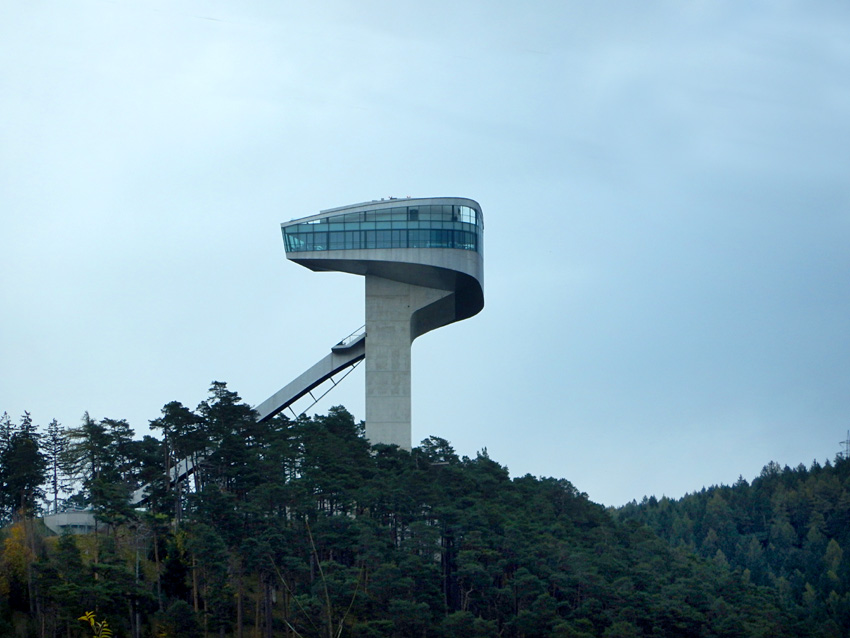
x: 354, y: 336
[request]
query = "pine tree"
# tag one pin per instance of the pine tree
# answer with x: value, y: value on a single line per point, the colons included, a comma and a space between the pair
x: 23, y: 469
x: 54, y: 445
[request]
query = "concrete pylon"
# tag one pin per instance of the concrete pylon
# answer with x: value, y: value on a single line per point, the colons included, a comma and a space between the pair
x: 390, y: 308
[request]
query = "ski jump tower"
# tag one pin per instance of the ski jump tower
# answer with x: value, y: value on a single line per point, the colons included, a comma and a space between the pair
x: 423, y: 263
x: 424, y: 268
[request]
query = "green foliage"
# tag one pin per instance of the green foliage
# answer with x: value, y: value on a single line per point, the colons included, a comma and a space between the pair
x: 23, y: 468
x: 178, y: 621
x: 786, y: 531
x: 299, y: 528
x: 100, y: 628
x: 53, y: 445
x: 61, y: 580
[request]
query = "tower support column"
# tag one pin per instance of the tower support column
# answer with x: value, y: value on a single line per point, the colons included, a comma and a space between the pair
x: 390, y: 306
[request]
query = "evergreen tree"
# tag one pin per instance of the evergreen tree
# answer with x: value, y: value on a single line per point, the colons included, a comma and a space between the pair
x: 23, y: 470
x: 87, y: 454
x: 54, y: 445
x: 183, y: 446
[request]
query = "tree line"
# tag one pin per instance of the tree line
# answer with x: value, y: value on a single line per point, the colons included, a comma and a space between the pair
x: 787, y: 530
x: 297, y: 527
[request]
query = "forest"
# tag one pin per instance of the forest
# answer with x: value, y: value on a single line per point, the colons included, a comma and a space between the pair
x: 297, y: 528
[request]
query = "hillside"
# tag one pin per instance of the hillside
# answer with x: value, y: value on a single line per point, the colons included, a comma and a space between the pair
x: 297, y: 528
x: 787, y: 530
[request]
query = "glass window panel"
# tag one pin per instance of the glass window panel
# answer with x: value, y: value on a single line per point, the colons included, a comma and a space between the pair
x: 399, y: 213
x: 367, y: 226
x: 399, y: 239
x: 352, y: 239
x: 336, y: 241
x: 320, y: 241
x: 383, y: 225
x: 371, y: 239
x: 467, y: 240
x: 418, y: 238
x: 384, y: 238
x: 336, y: 226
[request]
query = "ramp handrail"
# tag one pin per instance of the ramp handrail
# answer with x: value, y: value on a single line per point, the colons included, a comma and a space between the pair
x: 354, y: 336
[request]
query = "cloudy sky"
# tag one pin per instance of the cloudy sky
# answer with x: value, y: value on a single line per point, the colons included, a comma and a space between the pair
x: 665, y: 185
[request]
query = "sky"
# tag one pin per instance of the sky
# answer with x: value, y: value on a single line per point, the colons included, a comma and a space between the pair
x: 665, y: 188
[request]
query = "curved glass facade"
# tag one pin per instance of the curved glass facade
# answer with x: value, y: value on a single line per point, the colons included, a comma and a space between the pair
x: 411, y: 226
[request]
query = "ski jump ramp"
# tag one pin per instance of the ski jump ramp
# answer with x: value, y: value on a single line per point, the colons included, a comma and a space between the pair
x: 343, y: 356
